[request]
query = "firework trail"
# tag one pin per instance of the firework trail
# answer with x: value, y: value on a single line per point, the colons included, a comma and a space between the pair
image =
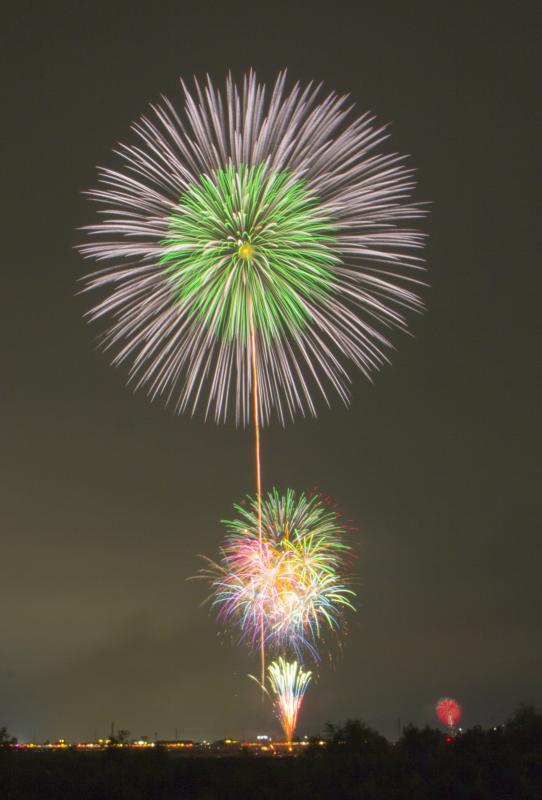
x: 295, y: 578
x: 288, y: 682
x: 449, y: 712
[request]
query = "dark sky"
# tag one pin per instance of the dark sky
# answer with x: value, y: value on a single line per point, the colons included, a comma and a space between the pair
x: 106, y: 499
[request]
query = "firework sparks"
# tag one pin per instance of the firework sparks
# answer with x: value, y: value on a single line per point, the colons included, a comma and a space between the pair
x: 448, y: 711
x: 253, y: 233
x: 292, y: 583
x: 288, y: 682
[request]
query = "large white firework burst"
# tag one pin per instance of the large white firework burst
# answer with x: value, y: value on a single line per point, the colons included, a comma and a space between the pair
x: 253, y: 231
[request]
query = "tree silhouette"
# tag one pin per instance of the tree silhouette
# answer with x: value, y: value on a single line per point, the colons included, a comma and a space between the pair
x: 5, y: 739
x: 355, y: 737
x: 523, y: 730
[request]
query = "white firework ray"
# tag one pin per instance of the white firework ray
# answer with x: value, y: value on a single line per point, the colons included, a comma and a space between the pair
x: 254, y: 228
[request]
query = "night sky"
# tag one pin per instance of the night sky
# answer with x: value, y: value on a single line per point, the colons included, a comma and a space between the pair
x: 107, y: 499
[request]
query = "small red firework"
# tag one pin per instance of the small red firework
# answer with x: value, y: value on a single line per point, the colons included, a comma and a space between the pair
x: 448, y: 711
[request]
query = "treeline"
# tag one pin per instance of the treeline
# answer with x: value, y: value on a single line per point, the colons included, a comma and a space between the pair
x: 503, y: 763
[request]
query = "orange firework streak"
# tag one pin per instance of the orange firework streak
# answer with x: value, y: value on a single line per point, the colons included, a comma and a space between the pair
x: 258, y: 476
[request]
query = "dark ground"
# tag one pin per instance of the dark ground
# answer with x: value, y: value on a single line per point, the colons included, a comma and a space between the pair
x: 503, y: 763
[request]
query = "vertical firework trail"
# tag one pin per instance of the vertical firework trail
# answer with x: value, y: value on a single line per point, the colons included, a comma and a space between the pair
x: 258, y: 477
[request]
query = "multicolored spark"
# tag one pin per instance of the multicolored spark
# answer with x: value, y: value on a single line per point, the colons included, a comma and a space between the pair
x: 291, y: 583
x: 253, y: 232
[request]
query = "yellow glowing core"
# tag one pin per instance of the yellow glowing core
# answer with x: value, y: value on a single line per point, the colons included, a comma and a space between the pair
x: 246, y: 250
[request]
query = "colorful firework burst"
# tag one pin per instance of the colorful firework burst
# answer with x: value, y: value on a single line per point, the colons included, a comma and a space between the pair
x: 290, y: 585
x: 252, y: 232
x: 448, y: 711
x: 288, y: 682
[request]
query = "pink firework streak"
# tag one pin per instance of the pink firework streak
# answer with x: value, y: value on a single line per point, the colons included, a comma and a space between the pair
x: 448, y: 711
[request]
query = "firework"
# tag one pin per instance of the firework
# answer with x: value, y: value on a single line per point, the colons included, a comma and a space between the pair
x: 251, y: 243
x: 288, y: 682
x: 289, y: 584
x: 448, y: 711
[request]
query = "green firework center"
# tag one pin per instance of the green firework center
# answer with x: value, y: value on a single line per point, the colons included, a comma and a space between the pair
x: 249, y: 249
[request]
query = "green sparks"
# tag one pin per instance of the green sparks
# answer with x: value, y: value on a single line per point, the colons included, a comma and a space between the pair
x: 250, y: 250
